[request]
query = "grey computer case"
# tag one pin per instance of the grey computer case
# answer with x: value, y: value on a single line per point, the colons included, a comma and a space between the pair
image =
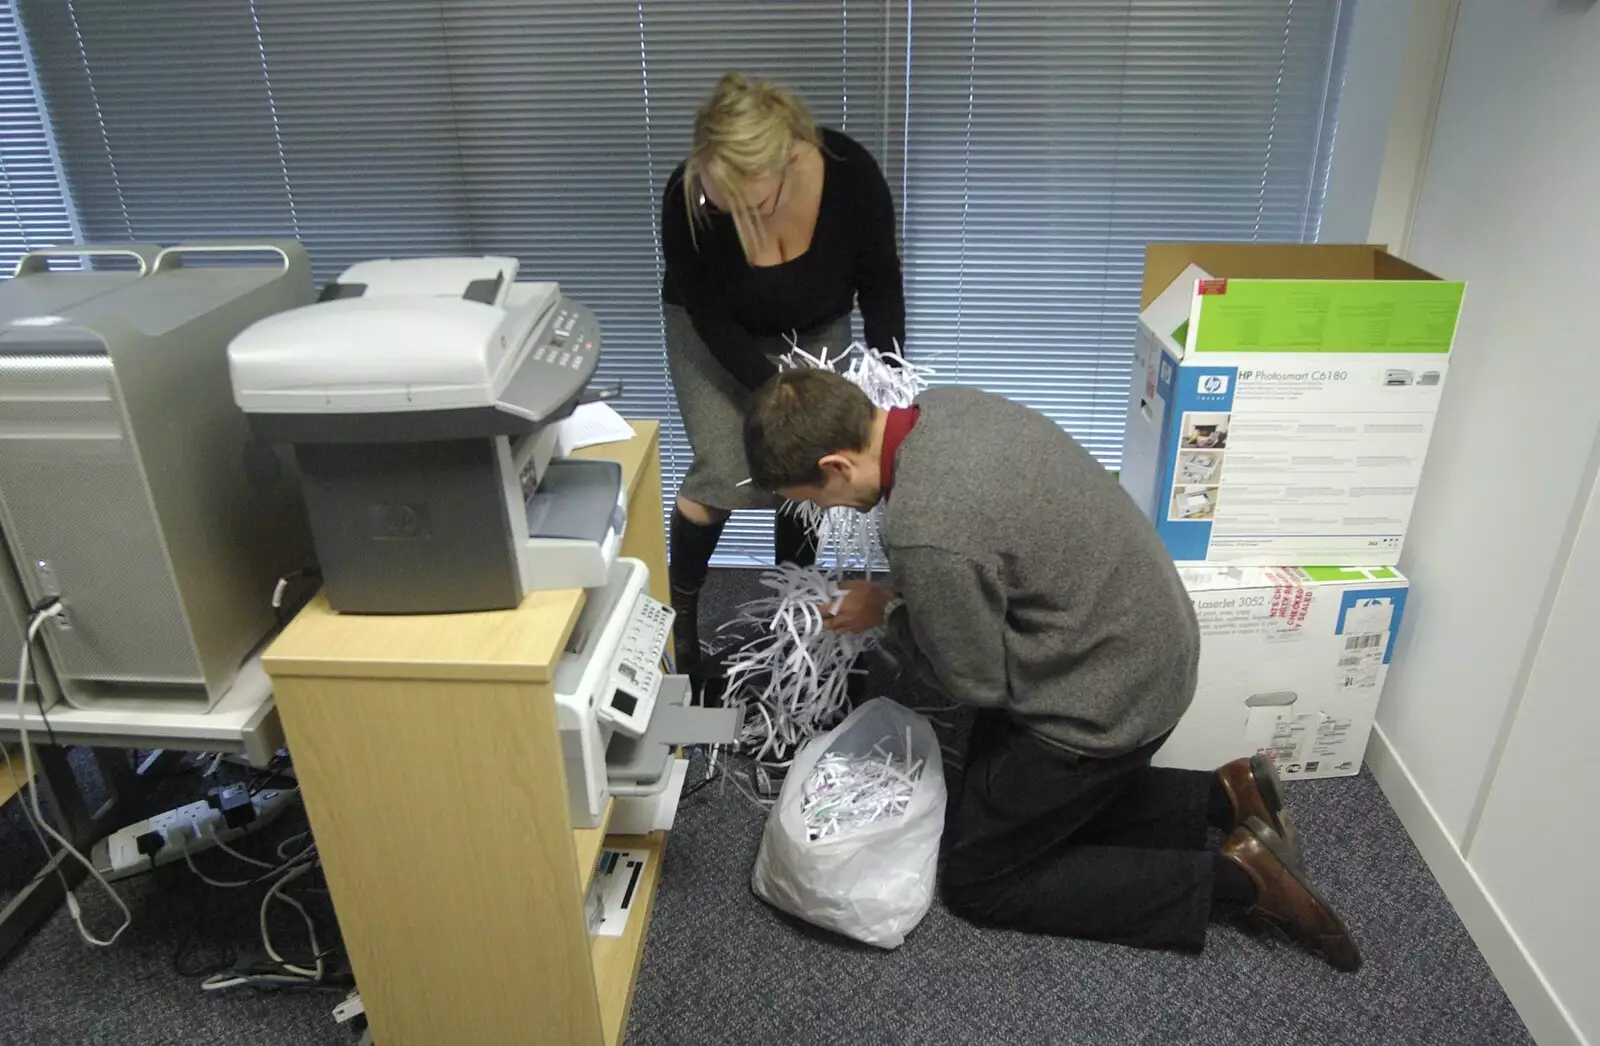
x: 36, y: 295
x: 131, y: 487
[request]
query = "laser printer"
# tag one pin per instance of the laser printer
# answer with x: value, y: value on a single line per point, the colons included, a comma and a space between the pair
x: 420, y: 397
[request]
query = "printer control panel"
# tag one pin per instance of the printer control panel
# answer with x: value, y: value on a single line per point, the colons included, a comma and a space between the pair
x: 566, y: 350
x: 572, y: 341
x: 630, y: 695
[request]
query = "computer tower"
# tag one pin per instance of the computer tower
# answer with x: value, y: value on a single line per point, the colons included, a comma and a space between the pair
x: 131, y: 488
x: 35, y: 296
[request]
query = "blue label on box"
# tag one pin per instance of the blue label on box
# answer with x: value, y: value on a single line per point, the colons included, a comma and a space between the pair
x: 1370, y: 599
x: 1197, y: 429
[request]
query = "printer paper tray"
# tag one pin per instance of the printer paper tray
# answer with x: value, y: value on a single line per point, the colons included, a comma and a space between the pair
x: 641, y: 762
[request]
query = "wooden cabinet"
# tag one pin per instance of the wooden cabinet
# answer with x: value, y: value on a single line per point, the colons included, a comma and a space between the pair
x: 427, y: 752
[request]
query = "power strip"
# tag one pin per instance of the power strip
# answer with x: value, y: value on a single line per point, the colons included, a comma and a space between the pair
x: 193, y: 828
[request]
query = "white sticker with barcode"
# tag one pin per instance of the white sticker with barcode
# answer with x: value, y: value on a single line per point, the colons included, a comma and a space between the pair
x: 1275, y: 730
x: 1361, y: 661
x: 1375, y: 614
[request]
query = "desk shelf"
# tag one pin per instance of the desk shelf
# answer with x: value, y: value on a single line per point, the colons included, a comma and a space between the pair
x: 616, y: 959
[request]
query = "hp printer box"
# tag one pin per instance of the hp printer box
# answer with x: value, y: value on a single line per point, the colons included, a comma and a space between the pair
x: 1292, y: 663
x: 1282, y: 400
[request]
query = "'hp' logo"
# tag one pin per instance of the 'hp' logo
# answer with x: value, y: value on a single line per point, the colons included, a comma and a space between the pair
x: 1213, y: 384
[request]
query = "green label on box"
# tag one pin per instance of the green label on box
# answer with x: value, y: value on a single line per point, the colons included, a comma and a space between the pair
x: 1398, y: 316
x: 1350, y: 574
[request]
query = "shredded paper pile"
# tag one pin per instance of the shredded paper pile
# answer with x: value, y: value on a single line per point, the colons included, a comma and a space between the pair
x: 845, y: 792
x: 794, y: 675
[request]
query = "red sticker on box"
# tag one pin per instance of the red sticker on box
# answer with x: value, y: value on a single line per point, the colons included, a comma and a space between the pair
x: 1290, y: 600
x: 1214, y: 286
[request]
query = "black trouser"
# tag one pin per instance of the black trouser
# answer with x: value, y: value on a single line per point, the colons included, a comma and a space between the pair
x: 1047, y: 841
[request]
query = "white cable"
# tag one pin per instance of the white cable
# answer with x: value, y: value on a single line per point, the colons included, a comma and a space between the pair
x: 188, y: 858
x: 311, y: 928
x: 35, y: 623
x: 233, y: 980
x: 274, y: 870
x: 284, y: 845
x: 246, y: 858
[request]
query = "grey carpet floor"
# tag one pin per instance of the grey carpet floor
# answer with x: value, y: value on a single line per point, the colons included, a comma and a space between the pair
x: 722, y: 968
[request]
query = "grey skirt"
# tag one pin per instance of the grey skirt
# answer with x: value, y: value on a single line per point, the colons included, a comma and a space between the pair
x: 712, y: 404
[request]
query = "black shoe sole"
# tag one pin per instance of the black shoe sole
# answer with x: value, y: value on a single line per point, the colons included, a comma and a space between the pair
x: 1265, y: 776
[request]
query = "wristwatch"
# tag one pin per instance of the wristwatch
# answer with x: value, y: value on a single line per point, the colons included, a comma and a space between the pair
x: 895, y: 603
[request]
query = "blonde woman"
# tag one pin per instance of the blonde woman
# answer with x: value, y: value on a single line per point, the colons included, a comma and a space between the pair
x: 773, y: 230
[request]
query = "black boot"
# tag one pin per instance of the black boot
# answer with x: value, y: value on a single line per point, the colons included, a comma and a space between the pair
x: 690, y: 545
x: 793, y: 541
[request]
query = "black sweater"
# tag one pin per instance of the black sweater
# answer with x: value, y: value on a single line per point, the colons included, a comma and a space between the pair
x: 852, y: 257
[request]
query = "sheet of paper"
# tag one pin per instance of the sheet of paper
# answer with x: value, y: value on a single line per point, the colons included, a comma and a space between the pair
x: 591, y: 424
x: 617, y: 882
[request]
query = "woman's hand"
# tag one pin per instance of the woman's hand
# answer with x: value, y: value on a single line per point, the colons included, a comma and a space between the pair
x: 861, y: 608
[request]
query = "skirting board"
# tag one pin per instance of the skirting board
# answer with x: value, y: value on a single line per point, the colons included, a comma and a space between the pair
x: 1547, y: 1021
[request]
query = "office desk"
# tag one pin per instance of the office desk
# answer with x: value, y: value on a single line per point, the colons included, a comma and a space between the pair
x: 427, y: 752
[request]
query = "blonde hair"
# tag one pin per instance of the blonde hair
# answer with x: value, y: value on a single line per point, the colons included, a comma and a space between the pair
x: 744, y: 130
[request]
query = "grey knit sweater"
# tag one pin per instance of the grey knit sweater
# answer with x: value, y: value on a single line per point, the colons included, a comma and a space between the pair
x: 1031, y: 581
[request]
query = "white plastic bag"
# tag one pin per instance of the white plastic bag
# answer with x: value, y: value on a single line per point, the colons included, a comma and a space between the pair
x: 873, y: 883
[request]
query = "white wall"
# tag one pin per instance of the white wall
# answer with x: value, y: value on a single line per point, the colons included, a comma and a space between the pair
x: 1536, y: 848
x: 1490, y: 722
x: 1508, y: 202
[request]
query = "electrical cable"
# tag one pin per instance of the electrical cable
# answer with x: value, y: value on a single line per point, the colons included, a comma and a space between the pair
x: 276, y: 893
x: 265, y: 775
x: 188, y: 859
x: 711, y: 774
x: 301, y: 863
x: 276, y: 870
x: 246, y: 858
x: 310, y: 573
x: 36, y: 621
x: 293, y: 838
x: 38, y: 697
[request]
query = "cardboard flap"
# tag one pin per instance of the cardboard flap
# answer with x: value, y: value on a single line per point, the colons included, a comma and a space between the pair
x: 1164, y: 262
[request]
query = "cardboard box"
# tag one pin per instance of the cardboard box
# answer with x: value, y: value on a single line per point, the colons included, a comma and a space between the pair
x: 1282, y: 400
x: 1292, y: 663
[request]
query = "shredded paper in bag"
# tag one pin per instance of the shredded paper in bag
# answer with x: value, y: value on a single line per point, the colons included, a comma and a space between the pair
x: 845, y: 792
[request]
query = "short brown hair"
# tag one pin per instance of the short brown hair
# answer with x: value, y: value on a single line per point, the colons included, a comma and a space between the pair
x: 798, y: 418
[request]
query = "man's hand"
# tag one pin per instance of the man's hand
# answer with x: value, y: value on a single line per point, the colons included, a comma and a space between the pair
x: 861, y: 609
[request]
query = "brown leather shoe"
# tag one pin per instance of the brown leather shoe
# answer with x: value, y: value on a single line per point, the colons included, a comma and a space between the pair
x: 1285, y: 899
x: 1254, y: 790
